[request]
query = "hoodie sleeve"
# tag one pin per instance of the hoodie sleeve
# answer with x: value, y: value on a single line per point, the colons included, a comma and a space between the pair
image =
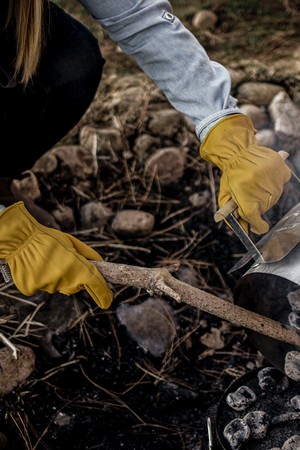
x: 170, y: 55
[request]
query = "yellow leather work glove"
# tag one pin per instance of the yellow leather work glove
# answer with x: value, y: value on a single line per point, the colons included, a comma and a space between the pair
x: 46, y: 259
x: 252, y: 175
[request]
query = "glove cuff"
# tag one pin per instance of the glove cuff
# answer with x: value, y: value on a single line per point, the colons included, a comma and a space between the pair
x: 227, y: 139
x: 16, y: 227
x: 20, y: 213
x: 7, y: 210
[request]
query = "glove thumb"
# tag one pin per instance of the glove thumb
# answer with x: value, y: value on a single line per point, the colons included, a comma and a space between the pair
x: 100, y: 293
x: 84, y: 250
x: 98, y: 289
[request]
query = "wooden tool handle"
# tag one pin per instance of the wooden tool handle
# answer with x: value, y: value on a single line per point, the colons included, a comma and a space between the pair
x: 225, y: 210
x: 231, y: 206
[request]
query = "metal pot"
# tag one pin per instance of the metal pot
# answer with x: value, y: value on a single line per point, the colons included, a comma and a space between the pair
x: 266, y: 287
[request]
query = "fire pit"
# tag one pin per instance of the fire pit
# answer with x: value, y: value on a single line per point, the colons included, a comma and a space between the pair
x: 260, y: 411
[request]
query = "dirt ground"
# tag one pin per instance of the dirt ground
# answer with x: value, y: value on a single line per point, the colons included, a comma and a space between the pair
x: 94, y: 386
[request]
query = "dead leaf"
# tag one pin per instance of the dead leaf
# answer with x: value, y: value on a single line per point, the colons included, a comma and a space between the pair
x: 213, y: 339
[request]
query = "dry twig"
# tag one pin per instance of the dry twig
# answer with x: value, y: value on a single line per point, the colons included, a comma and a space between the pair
x: 159, y: 281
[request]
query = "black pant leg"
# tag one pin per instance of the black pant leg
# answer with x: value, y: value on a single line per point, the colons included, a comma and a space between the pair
x: 34, y: 119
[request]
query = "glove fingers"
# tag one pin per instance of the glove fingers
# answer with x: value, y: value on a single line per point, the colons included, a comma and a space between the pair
x: 257, y: 224
x: 70, y: 243
x: 224, y: 197
x: 83, y: 249
x: 38, y: 267
x: 57, y: 270
x: 222, y: 200
x: 42, y: 258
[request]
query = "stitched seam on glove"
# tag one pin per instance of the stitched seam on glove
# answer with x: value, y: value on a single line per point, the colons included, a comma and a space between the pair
x: 20, y: 247
x: 217, y: 153
x: 235, y: 157
x: 42, y: 229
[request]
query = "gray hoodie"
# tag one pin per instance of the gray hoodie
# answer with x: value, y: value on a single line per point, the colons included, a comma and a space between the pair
x: 170, y: 55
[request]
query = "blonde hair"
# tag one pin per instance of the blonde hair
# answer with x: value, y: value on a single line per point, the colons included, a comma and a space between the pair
x: 26, y: 17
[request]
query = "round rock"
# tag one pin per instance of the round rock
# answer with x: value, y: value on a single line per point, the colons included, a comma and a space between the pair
x: 167, y: 164
x: 133, y: 223
x: 293, y: 443
x: 258, y: 114
x: 104, y: 140
x: 266, y: 137
x: 15, y: 371
x: 166, y: 123
x: 204, y: 20
x: 258, y: 93
x: 94, y: 215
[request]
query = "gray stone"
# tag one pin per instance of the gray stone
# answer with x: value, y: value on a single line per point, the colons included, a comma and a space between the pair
x: 151, y: 324
x: 133, y: 223
x: 258, y: 93
x: 237, y: 76
x: 266, y: 138
x: 286, y: 116
x: 167, y: 164
x: 165, y: 122
x: 144, y: 144
x: 94, y: 215
x: 64, y: 216
x: 46, y: 164
x: 204, y: 20
x: 293, y: 443
x: 200, y: 200
x: 258, y: 114
x: 28, y: 185
x: 15, y: 371
x: 80, y: 161
x: 101, y: 140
